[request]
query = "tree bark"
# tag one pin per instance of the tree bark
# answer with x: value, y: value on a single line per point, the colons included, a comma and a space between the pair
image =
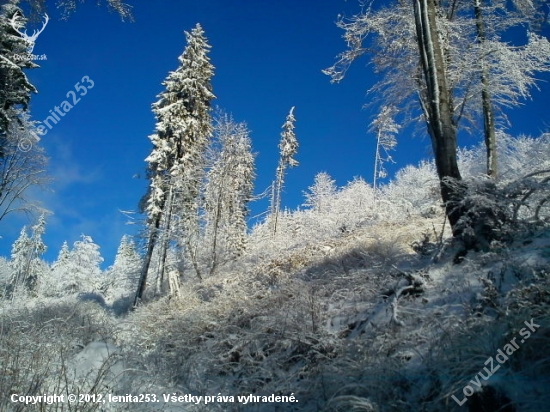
x: 276, y: 196
x: 436, y: 102
x: 153, y: 237
x: 147, y: 262
x: 217, y: 219
x: 488, y: 117
x: 165, y: 240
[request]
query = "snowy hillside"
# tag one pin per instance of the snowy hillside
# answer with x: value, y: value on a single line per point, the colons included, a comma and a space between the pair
x: 358, y: 302
x: 246, y: 282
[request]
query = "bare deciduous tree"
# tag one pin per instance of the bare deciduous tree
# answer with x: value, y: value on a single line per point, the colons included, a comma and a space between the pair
x: 228, y: 189
x: 22, y: 166
x: 67, y: 7
x: 428, y: 54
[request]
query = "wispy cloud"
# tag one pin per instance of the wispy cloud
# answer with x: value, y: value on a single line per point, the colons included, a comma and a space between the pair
x: 65, y: 170
x: 72, y: 202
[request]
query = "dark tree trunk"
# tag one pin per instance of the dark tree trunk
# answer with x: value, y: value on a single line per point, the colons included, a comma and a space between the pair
x: 147, y: 262
x: 165, y: 241
x: 217, y: 219
x: 153, y: 237
x: 436, y: 101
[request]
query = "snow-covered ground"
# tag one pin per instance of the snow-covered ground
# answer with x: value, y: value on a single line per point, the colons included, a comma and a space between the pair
x: 363, y: 305
x: 355, y: 323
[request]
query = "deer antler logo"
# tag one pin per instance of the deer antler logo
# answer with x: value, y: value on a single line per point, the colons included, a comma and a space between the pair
x: 17, y: 24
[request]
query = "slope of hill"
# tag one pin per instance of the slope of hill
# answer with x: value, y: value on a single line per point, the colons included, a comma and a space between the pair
x: 365, y: 304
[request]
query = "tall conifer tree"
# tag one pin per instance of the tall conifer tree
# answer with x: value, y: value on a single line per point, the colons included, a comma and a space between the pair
x: 15, y: 87
x: 176, y: 162
x: 288, y: 148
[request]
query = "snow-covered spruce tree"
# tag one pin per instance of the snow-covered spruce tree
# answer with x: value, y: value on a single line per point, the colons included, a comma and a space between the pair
x: 385, y: 128
x: 427, y: 52
x: 75, y: 271
x: 288, y: 148
x: 15, y: 87
x: 228, y: 189
x: 194, y: 137
x: 5, y: 276
x: 25, y: 258
x: 182, y: 134
x: 320, y: 195
x: 22, y: 162
x: 123, y: 276
x: 85, y: 273
x: 21, y: 255
x: 319, y: 218
x: 59, y: 279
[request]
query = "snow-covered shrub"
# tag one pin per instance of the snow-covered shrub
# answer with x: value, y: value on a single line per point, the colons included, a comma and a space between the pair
x: 5, y: 275
x: 516, y: 157
x: 523, y: 155
x: 241, y: 339
x: 497, y: 210
x: 39, y: 339
x: 462, y: 353
x: 334, y: 213
x: 354, y: 205
x: 414, y: 192
x: 330, y: 213
x: 530, y: 196
x: 486, y: 213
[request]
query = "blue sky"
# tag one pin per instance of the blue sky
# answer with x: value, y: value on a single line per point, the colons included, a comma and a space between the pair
x: 268, y: 57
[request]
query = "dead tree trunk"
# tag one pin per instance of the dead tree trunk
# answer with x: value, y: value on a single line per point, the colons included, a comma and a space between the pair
x: 276, y: 196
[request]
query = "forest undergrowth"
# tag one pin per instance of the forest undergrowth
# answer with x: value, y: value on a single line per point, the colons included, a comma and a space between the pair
x: 363, y: 308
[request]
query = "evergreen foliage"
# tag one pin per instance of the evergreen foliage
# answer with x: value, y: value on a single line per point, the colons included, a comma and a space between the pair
x: 68, y: 7
x: 367, y: 297
x: 25, y: 259
x: 22, y: 161
x: 288, y: 148
x: 320, y: 193
x: 176, y: 163
x: 22, y: 167
x: 121, y: 279
x: 15, y: 87
x: 75, y: 271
